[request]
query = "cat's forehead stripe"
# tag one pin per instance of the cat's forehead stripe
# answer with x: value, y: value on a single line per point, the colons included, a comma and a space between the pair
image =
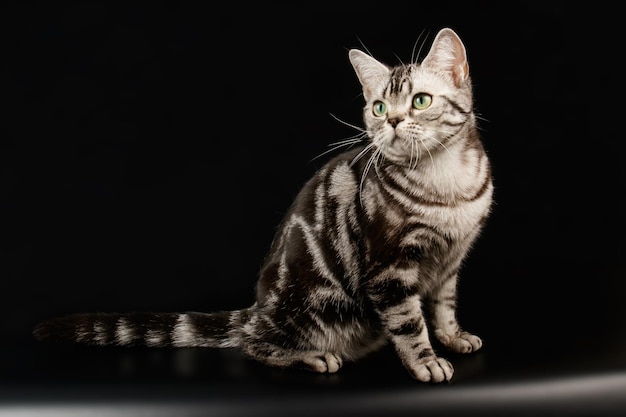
x: 399, y: 77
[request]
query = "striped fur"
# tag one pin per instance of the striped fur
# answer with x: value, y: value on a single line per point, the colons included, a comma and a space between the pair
x: 372, y: 239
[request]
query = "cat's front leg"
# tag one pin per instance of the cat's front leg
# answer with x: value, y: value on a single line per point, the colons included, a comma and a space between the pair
x: 447, y: 329
x: 394, y: 293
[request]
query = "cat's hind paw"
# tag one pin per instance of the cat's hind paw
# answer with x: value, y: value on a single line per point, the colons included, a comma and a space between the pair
x: 432, y: 369
x: 463, y: 342
x: 322, y: 362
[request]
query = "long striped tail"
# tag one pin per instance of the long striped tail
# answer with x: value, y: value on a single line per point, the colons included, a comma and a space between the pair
x: 190, y: 329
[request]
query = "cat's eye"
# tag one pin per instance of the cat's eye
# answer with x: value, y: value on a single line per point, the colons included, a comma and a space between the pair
x: 422, y: 101
x: 379, y: 108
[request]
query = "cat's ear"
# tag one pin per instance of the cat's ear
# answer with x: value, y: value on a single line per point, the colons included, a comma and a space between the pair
x: 369, y: 71
x: 448, y: 53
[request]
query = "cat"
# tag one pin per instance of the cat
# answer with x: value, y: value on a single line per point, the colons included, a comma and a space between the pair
x: 372, y: 243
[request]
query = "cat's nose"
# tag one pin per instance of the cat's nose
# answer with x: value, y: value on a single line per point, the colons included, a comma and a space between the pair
x: 393, y: 121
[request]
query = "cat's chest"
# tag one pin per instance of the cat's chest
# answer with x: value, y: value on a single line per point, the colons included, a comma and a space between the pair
x: 448, y: 207
x: 455, y: 220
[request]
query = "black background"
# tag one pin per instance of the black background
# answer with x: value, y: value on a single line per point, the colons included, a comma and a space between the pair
x: 149, y: 150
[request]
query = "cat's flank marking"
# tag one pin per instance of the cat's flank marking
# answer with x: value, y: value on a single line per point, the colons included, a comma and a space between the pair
x: 373, y: 239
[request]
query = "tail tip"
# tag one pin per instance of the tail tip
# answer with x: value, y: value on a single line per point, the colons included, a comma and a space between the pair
x: 42, y: 331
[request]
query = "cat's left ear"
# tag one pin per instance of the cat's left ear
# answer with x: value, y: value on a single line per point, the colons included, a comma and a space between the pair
x: 370, y: 71
x: 448, y: 53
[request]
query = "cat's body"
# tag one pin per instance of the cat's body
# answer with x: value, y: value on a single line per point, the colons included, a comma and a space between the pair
x: 378, y: 234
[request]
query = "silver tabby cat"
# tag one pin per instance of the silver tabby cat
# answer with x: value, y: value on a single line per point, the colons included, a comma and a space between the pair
x: 377, y: 236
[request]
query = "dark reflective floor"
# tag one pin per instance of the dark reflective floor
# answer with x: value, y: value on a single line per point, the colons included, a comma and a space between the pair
x: 147, y: 153
x: 221, y: 382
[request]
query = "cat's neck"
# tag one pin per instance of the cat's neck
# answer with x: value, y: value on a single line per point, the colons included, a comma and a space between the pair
x: 452, y: 171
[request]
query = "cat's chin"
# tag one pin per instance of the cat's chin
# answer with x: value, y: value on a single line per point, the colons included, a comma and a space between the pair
x: 406, y: 157
x: 403, y: 151
x: 396, y: 158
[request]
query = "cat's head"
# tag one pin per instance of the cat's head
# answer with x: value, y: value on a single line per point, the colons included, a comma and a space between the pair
x: 413, y: 110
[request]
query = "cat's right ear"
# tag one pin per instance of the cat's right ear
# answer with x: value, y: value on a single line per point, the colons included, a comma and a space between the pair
x: 369, y: 71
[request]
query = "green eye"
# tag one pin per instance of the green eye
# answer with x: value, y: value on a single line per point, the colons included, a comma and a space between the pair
x: 379, y: 108
x: 422, y: 101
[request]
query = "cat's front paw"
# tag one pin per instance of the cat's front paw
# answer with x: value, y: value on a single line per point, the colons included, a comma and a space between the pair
x: 462, y: 342
x: 432, y: 369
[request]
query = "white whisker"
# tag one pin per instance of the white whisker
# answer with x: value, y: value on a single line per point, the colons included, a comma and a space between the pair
x: 351, y: 139
x: 360, y: 129
x: 348, y: 142
x: 362, y: 153
x: 415, y: 149
x: 414, y: 56
x: 379, y: 155
x: 368, y: 165
x: 429, y: 154
x: 364, y: 47
x: 343, y: 143
x: 479, y: 117
x: 439, y: 142
x: 482, y: 119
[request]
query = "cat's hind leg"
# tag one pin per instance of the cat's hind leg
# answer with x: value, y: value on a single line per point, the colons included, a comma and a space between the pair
x: 276, y: 356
